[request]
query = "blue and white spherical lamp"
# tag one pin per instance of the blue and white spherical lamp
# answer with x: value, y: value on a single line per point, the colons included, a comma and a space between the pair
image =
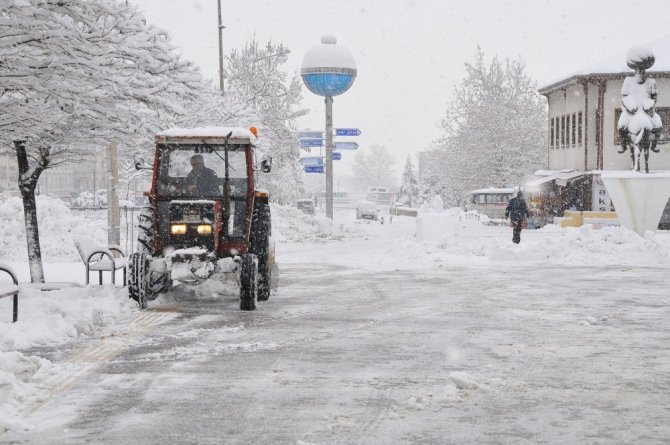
x: 328, y: 70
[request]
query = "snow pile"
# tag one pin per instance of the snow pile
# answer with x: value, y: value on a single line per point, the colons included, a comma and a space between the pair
x: 21, y: 382
x: 57, y: 225
x: 291, y: 225
x: 49, y: 319
x: 462, y: 240
x: 58, y: 316
x: 588, y: 246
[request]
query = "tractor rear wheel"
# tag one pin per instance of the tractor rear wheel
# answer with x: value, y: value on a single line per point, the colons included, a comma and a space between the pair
x: 145, y: 231
x: 261, y: 229
x: 137, y: 279
x: 248, y: 282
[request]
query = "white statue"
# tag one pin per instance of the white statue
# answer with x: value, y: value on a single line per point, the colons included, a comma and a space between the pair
x: 639, y: 125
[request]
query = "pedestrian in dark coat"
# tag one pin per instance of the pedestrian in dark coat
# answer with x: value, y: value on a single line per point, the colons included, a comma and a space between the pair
x: 516, y: 211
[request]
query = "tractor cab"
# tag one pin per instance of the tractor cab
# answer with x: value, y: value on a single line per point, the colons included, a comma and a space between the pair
x: 203, y: 190
x: 205, y: 215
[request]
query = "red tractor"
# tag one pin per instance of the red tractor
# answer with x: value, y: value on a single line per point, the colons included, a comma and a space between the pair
x: 205, y: 216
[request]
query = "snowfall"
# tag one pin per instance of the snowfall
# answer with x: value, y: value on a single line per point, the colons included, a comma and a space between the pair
x: 462, y: 337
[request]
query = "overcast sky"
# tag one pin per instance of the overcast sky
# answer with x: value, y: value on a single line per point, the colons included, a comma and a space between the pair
x: 410, y: 53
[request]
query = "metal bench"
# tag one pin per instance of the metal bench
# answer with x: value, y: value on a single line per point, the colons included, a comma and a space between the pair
x: 100, y: 257
x: 11, y: 290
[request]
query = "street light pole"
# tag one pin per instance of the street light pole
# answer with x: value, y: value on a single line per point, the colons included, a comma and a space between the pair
x: 221, y: 75
x: 328, y: 70
x: 329, y: 157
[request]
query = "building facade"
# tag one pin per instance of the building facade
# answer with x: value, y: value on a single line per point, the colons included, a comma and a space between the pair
x: 583, y: 115
x: 583, y: 111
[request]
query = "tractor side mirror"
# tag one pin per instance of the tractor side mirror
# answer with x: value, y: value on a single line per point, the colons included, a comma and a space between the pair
x: 141, y: 163
x: 266, y: 165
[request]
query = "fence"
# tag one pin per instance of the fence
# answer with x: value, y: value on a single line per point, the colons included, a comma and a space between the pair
x: 128, y: 222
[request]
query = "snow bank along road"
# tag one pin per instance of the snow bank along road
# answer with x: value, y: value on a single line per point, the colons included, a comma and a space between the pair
x: 349, y: 351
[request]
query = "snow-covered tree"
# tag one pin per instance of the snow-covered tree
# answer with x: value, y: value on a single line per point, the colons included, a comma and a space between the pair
x: 254, y: 76
x: 80, y: 73
x: 493, y: 133
x: 409, y: 186
x: 374, y: 167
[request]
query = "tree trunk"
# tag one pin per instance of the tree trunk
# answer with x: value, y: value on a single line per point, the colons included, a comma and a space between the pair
x: 27, y: 188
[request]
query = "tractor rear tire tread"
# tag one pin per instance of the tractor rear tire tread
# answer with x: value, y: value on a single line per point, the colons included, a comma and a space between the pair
x: 248, y: 282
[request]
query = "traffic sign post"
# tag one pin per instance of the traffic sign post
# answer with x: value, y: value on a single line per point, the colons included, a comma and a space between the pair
x: 347, y: 132
x: 312, y: 160
x: 346, y: 145
x: 314, y: 169
x: 311, y: 142
x: 310, y: 134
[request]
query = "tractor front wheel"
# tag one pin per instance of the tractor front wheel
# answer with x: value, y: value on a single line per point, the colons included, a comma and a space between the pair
x: 248, y: 282
x: 260, y: 246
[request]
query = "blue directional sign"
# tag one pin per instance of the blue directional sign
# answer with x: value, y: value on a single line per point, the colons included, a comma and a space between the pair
x: 311, y: 142
x: 346, y: 145
x: 314, y: 169
x: 347, y: 132
x: 312, y: 160
x: 337, y: 156
x: 310, y: 134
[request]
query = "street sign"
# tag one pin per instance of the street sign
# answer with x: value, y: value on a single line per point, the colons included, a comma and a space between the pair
x: 337, y: 156
x: 311, y: 142
x: 347, y: 132
x: 310, y: 134
x: 314, y: 169
x: 346, y: 145
x: 312, y: 160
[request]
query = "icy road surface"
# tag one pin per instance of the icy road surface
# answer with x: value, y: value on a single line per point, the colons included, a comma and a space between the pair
x: 348, y: 352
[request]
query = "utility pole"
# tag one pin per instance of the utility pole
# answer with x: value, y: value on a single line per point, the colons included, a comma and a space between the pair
x: 113, y: 213
x: 221, y: 75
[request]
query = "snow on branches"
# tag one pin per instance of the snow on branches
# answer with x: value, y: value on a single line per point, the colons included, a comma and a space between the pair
x: 254, y: 76
x: 493, y: 133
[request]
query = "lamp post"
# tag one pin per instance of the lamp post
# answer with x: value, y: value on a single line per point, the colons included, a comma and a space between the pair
x: 221, y: 27
x: 328, y: 70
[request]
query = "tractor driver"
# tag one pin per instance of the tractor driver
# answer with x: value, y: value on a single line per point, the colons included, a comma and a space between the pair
x: 201, y: 180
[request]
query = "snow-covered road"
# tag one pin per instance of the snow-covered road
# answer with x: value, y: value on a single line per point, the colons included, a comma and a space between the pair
x: 365, y: 344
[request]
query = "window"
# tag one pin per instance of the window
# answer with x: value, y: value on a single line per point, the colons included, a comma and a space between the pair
x: 663, y: 112
x: 574, y: 130
x: 562, y: 131
x: 568, y: 131
x: 551, y: 137
x: 579, y: 128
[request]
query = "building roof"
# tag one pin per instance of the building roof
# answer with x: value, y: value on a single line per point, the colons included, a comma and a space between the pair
x: 615, y: 67
x: 542, y: 176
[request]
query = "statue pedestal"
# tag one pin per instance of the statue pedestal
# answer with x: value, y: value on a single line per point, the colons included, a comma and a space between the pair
x: 638, y: 198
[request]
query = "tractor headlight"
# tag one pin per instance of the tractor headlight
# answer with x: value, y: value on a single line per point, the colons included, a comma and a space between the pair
x: 178, y: 229
x: 204, y: 229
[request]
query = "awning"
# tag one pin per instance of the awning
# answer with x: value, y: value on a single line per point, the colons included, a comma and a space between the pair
x: 561, y: 177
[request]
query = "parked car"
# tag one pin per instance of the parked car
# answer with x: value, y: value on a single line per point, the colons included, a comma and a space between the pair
x: 367, y: 210
x: 307, y: 206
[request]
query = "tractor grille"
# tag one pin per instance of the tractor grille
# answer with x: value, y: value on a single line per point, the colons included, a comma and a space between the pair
x: 185, y: 219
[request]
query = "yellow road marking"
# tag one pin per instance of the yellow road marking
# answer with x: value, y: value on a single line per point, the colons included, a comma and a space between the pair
x: 98, y: 352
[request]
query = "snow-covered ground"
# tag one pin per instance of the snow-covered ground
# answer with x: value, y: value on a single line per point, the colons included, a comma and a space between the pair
x: 36, y: 354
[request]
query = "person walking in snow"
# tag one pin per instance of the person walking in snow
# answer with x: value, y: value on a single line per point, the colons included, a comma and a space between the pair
x: 516, y: 211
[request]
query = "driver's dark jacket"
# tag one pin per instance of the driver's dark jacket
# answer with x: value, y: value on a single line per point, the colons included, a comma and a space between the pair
x: 205, y: 181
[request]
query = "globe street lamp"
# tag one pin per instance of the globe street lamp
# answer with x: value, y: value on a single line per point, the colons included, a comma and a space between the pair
x: 328, y: 70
